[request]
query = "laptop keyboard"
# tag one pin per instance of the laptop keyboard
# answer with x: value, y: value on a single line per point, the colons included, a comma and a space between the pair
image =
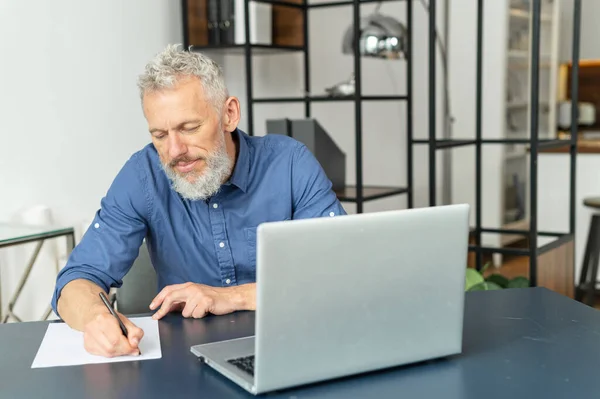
x: 245, y: 363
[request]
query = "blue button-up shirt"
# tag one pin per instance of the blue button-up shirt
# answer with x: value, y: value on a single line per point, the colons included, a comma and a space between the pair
x: 211, y: 242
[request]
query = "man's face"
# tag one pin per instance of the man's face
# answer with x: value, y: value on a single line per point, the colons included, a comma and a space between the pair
x: 188, y: 135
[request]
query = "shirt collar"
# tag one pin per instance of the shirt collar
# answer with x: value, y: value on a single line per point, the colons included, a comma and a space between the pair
x: 241, y: 171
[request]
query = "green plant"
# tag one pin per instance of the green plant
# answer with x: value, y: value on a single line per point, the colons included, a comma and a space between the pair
x: 476, y: 282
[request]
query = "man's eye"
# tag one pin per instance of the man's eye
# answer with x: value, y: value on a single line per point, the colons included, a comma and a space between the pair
x: 191, y: 129
x: 159, y: 136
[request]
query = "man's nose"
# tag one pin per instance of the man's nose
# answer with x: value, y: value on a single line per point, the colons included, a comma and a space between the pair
x: 177, y: 147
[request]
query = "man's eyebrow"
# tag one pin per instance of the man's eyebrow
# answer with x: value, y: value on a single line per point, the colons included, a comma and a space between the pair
x: 179, y: 126
x: 155, y: 130
x: 189, y: 122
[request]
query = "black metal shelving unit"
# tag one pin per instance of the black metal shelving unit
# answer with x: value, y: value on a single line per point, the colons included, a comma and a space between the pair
x: 360, y: 192
x: 535, y: 144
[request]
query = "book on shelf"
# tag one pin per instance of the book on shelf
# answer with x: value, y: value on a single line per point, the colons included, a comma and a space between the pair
x: 212, y: 13
x: 226, y: 22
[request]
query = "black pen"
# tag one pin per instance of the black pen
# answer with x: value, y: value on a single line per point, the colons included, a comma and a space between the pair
x: 112, y: 311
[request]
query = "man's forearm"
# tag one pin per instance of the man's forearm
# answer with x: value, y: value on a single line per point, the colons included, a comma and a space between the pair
x: 79, y: 303
x: 247, y: 296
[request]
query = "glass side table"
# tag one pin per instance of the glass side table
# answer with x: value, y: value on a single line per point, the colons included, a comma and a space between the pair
x: 16, y: 234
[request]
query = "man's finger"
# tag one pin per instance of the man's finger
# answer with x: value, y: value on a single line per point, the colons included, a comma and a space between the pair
x: 171, y: 306
x: 172, y: 298
x: 112, y: 340
x: 134, y: 333
x: 112, y: 343
x: 160, y: 297
x: 190, y: 305
x: 90, y: 343
x: 188, y: 309
x: 200, y: 311
x: 124, y: 347
x: 203, y: 307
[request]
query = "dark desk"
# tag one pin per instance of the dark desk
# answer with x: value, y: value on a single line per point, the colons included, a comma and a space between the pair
x: 528, y: 343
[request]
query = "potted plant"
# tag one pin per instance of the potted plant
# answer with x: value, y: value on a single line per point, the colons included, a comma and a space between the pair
x: 476, y: 282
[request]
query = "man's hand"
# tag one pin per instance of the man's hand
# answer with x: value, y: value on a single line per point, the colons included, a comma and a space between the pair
x: 102, y: 336
x: 198, y: 300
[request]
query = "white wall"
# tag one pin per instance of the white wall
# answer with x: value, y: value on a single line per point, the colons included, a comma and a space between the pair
x: 69, y: 110
x: 590, y: 30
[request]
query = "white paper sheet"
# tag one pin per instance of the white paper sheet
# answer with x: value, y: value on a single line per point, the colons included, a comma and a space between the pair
x: 63, y: 346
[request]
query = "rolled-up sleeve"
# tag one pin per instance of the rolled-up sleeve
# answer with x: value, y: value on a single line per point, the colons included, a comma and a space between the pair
x: 110, y: 245
x: 312, y: 189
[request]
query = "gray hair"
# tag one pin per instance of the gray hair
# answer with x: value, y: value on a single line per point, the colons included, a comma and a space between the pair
x: 174, y: 63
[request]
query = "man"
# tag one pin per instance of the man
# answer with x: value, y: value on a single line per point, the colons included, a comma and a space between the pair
x: 196, y: 194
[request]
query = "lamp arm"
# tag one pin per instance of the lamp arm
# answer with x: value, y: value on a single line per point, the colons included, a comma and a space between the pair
x: 444, y: 64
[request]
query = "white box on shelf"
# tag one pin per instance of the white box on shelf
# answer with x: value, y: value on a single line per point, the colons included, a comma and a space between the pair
x: 260, y: 23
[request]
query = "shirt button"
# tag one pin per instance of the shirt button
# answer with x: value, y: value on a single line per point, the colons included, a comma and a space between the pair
x: 221, y: 244
x: 215, y: 206
x: 228, y: 281
x: 97, y: 225
x: 331, y: 214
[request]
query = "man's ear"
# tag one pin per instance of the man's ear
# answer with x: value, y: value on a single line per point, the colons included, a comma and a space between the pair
x: 231, y: 114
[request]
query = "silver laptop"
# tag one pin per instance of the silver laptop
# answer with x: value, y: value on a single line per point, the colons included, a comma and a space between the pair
x: 350, y: 294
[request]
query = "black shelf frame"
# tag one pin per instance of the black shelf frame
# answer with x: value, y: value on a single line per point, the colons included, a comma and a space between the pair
x: 258, y: 49
x: 323, y: 98
x: 359, y: 193
x: 535, y: 144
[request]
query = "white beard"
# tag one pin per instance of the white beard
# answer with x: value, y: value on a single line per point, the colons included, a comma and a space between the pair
x: 207, y: 184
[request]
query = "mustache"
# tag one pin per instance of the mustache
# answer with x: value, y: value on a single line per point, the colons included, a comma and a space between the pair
x: 174, y: 162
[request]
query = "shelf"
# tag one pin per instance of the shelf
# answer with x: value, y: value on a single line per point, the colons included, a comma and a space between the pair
x: 287, y: 27
x: 551, y: 144
x: 515, y: 105
x: 523, y: 14
x: 518, y: 53
x: 506, y: 141
x: 448, y: 143
x: 514, y: 65
x: 582, y: 147
x: 369, y: 193
x: 240, y: 49
x: 442, y: 144
x: 515, y: 155
x: 524, y: 54
x: 525, y: 134
x: 516, y: 230
x: 517, y: 225
x: 283, y: 3
x: 545, y: 243
x: 326, y: 99
x: 346, y: 3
